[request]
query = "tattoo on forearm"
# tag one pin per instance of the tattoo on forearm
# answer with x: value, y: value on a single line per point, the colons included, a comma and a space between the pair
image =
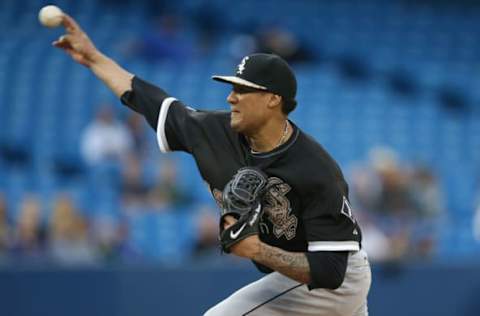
x: 292, y: 264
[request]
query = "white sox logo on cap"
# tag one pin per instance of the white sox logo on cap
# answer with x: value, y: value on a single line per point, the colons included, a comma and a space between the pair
x: 241, y: 66
x: 266, y: 72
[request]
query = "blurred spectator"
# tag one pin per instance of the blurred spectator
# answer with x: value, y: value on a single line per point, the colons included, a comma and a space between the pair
x: 105, y: 139
x: 110, y: 235
x: 167, y: 191
x: 134, y: 189
x: 5, y: 229
x: 380, y: 246
x: 476, y: 221
x: 136, y: 126
x: 30, y: 235
x: 284, y: 43
x: 68, y: 241
x: 426, y: 193
x: 429, y: 208
x: 206, y: 244
x: 394, y: 196
x: 402, y: 204
x: 382, y: 185
x: 206, y: 247
x: 272, y: 39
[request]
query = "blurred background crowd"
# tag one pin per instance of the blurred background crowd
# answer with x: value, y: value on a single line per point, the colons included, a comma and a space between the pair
x: 390, y: 88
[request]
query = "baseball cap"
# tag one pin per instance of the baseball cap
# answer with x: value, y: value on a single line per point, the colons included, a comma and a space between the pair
x: 267, y: 72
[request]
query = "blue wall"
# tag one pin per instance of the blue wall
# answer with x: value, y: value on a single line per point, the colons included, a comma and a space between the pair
x: 414, y: 290
x: 426, y: 290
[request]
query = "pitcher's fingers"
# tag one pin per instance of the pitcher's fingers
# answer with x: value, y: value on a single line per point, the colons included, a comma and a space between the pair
x: 70, y: 24
x: 59, y: 44
x: 62, y: 39
x: 62, y: 42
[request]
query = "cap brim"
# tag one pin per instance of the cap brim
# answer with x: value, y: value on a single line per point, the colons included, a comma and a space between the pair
x: 238, y: 81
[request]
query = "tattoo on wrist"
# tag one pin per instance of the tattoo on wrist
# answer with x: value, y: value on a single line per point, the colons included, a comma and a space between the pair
x: 292, y: 264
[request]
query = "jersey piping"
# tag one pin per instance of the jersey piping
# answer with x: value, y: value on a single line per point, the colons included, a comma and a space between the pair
x: 162, y: 117
x: 280, y: 149
x: 333, y: 246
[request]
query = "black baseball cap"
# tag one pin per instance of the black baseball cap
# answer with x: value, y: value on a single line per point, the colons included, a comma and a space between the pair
x: 267, y: 72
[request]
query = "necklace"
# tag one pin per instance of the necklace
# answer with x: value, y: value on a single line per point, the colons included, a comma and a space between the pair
x: 280, y: 142
x: 285, y: 133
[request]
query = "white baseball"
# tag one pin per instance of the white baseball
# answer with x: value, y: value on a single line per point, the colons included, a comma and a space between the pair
x: 50, y: 16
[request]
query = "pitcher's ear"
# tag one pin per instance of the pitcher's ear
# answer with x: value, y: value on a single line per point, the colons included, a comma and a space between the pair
x: 275, y: 101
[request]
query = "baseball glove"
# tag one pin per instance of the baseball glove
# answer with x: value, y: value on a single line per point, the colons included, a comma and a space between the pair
x: 242, y: 199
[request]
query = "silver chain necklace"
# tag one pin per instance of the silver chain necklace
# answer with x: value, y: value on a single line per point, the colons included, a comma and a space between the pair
x: 280, y: 142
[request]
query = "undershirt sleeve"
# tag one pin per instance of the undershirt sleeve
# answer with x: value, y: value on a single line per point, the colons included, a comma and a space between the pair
x: 327, y: 268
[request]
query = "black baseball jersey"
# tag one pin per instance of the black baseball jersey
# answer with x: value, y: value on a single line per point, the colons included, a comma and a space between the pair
x: 306, y: 208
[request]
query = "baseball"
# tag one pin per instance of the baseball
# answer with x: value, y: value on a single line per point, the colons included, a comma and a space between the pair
x: 50, y: 16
